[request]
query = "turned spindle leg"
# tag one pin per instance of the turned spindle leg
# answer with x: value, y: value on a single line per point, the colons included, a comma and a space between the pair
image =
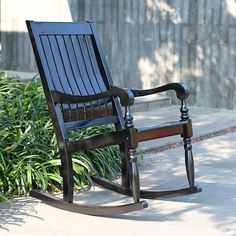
x: 132, y: 156
x: 189, y: 163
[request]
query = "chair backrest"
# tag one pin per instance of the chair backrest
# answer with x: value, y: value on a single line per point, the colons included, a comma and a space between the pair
x: 70, y: 59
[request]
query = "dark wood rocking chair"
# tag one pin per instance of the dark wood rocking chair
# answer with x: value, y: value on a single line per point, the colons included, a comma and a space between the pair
x: 79, y: 92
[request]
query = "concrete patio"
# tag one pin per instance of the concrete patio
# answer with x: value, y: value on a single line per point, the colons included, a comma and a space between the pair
x: 212, y: 212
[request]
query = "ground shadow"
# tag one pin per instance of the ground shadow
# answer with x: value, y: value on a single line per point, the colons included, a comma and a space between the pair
x: 15, y: 211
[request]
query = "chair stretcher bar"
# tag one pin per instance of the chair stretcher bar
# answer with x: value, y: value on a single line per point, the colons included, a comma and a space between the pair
x: 183, y: 128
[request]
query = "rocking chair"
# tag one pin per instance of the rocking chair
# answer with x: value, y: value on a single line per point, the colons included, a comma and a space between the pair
x: 80, y: 94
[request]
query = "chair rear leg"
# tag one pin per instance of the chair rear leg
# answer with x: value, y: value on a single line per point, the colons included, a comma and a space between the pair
x: 67, y: 175
x: 189, y: 162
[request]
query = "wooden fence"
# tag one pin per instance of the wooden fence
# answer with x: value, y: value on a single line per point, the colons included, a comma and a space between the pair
x: 151, y: 42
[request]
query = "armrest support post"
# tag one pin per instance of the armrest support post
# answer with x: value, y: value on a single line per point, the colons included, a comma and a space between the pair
x: 184, y: 110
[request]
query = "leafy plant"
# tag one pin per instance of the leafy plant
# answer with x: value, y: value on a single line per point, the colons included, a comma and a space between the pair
x: 28, y: 148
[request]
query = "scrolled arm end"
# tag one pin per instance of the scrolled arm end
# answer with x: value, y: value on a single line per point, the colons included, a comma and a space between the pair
x: 126, y: 96
x: 182, y: 90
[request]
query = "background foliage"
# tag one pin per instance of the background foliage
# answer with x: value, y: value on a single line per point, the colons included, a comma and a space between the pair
x: 28, y: 148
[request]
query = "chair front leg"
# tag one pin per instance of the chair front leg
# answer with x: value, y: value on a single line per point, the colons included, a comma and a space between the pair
x: 134, y: 175
x: 189, y: 163
x: 125, y: 179
x: 132, y: 155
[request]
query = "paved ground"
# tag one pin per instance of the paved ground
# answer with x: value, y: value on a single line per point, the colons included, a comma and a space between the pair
x: 212, y: 212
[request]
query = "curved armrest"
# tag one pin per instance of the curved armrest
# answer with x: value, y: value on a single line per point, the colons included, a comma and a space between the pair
x: 125, y: 95
x: 181, y: 90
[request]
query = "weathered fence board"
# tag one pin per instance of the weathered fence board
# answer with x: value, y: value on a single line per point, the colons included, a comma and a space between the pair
x: 151, y: 42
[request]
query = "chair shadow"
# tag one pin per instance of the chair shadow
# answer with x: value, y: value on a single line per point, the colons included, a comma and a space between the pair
x: 216, y: 177
x: 156, y: 212
x: 14, y: 212
x: 217, y: 201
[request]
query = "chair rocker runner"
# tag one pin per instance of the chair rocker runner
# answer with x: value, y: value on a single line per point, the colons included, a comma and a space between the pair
x: 79, y: 92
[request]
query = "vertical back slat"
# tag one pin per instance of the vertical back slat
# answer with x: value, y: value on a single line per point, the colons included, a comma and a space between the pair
x: 55, y: 80
x: 91, y: 77
x: 51, y: 64
x: 88, y: 109
x: 61, y: 74
x: 94, y: 73
x: 59, y: 63
x: 75, y: 77
x: 95, y: 70
x: 88, y: 65
x: 64, y: 53
x: 94, y: 64
x: 80, y: 62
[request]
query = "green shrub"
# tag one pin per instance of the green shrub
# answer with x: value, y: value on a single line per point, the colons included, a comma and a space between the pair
x: 28, y: 148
